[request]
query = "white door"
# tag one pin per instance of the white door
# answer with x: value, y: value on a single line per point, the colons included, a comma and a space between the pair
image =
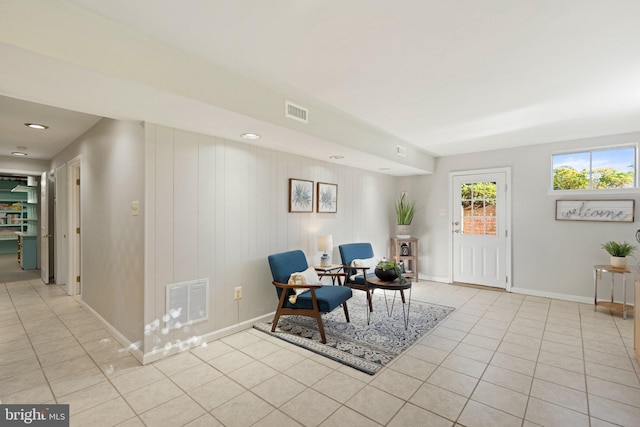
x: 73, y: 227
x: 44, y: 229
x: 481, y: 243
x: 61, y: 265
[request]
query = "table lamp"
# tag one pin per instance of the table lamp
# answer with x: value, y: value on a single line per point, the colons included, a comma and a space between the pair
x: 325, y: 244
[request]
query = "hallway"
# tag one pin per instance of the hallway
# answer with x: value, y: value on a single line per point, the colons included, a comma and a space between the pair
x: 10, y: 271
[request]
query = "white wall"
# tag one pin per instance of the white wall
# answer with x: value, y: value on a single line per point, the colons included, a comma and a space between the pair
x: 216, y: 209
x: 552, y: 258
x: 112, y: 240
x: 23, y: 166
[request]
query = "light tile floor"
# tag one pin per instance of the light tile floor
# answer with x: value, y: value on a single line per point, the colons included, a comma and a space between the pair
x: 499, y: 360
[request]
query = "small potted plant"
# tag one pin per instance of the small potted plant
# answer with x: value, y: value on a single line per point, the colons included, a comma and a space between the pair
x: 619, y: 252
x: 388, y: 271
x: 404, y: 215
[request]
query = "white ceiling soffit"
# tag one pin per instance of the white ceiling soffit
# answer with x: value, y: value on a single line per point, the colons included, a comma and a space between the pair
x: 158, y: 81
x: 103, y: 95
x: 64, y: 127
x: 449, y: 77
x: 442, y: 77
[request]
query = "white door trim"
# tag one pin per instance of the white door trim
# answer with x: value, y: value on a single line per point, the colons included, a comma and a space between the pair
x: 74, y: 219
x: 507, y: 172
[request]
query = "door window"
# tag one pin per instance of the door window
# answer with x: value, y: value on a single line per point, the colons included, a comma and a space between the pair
x: 478, y: 208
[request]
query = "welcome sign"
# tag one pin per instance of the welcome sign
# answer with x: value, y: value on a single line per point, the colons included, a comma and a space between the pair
x: 595, y: 210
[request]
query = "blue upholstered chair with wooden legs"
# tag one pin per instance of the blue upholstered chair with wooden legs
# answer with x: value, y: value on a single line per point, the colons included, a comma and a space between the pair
x: 315, y: 299
x: 356, y: 275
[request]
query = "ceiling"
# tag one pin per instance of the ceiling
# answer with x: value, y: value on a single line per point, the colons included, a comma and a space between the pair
x: 64, y: 127
x: 445, y: 77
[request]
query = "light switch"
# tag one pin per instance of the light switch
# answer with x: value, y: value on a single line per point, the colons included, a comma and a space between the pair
x: 135, y: 208
x: 442, y: 212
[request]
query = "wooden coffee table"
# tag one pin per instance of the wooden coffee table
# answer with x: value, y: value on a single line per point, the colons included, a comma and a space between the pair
x: 375, y: 283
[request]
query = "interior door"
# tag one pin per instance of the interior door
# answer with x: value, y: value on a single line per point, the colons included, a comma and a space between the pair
x: 61, y: 264
x: 480, y: 229
x: 74, y: 284
x: 44, y: 229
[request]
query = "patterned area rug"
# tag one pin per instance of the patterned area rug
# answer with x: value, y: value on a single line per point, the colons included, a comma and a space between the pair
x: 364, y: 347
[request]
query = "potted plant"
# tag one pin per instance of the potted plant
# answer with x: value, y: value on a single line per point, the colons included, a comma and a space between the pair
x: 404, y: 215
x: 618, y: 251
x: 388, y: 271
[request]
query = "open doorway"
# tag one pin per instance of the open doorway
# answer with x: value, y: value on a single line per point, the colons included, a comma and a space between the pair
x: 18, y: 227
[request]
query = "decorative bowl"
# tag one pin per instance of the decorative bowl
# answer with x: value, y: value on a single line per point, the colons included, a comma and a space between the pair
x: 386, y: 275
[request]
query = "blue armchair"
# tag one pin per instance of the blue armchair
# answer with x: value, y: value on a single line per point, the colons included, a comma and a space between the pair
x: 317, y: 299
x: 356, y: 275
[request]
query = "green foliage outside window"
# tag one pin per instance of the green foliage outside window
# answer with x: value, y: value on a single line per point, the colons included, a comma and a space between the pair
x: 611, y: 178
x: 568, y: 178
x: 480, y: 193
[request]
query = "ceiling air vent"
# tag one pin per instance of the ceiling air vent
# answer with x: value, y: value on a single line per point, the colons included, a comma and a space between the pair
x: 296, y: 112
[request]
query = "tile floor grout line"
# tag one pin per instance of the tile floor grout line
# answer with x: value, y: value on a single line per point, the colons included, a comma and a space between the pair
x: 57, y: 399
x: 487, y: 365
x: 222, y: 375
x: 107, y: 379
x: 535, y: 367
x: 28, y: 336
x: 584, y: 366
x: 76, y: 340
x: 475, y: 387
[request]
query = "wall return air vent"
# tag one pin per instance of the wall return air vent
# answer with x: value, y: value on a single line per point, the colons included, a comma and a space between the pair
x: 296, y: 112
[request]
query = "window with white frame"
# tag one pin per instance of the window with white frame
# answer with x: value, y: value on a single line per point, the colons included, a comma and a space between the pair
x: 596, y: 169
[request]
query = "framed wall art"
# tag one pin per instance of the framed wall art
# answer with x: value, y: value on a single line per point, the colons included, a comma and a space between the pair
x: 300, y: 195
x: 595, y: 210
x: 327, y: 195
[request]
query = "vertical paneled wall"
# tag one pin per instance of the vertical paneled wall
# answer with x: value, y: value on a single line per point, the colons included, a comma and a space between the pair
x: 217, y: 208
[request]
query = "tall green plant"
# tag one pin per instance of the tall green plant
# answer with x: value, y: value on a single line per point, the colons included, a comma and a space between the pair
x: 404, y: 210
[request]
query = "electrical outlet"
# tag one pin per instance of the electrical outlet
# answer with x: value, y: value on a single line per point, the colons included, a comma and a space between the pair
x: 237, y: 293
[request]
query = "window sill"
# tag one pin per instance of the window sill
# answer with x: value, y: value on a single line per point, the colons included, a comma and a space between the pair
x: 610, y: 192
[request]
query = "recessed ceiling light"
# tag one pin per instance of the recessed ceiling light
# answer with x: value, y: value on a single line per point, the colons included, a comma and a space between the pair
x: 36, y: 126
x: 336, y: 157
x: 18, y: 153
x: 250, y: 135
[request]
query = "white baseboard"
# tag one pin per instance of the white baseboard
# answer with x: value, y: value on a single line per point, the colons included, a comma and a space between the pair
x: 163, y: 352
x: 564, y: 297
x: 145, y: 358
x: 545, y: 294
x: 427, y: 277
x: 531, y: 292
x: 131, y: 347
